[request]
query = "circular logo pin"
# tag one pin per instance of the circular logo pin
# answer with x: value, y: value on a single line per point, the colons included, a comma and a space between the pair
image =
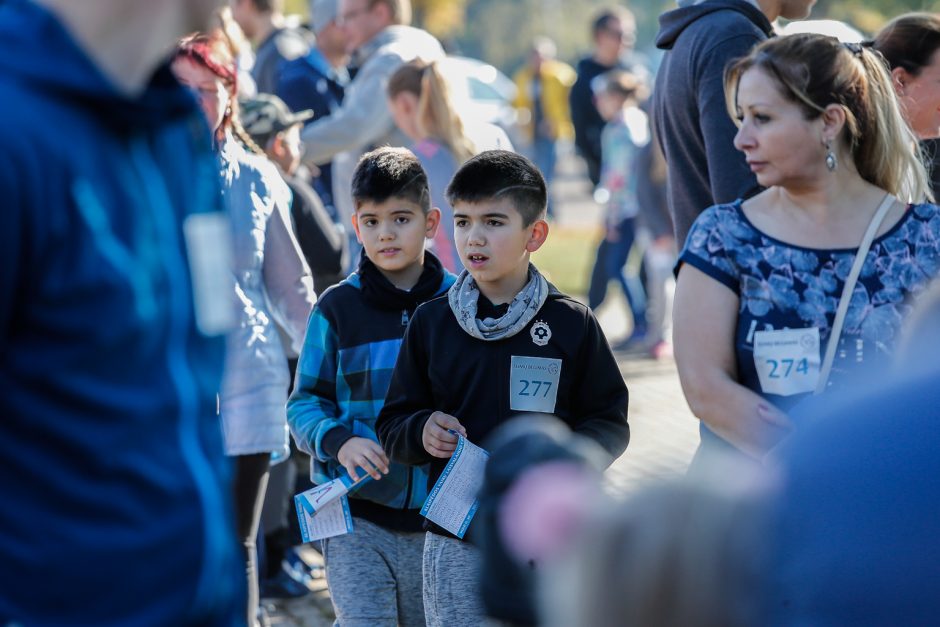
x: 540, y: 333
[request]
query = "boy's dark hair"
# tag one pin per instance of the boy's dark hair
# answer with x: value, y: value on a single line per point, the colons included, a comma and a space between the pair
x: 497, y: 174
x: 390, y: 173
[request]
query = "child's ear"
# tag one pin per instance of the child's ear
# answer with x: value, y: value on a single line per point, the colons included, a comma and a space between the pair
x: 355, y: 222
x: 432, y: 222
x: 277, y: 145
x: 538, y: 233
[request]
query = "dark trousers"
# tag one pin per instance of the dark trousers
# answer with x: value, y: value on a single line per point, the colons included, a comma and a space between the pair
x: 609, y: 264
x: 251, y: 481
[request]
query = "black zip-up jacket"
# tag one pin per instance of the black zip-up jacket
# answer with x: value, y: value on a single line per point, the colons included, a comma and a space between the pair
x: 443, y: 368
x: 689, y: 109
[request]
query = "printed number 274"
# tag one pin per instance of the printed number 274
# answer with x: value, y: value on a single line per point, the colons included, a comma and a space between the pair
x: 782, y: 368
x: 537, y: 385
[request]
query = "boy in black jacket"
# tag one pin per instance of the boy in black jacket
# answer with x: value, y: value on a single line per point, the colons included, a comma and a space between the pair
x: 503, y: 342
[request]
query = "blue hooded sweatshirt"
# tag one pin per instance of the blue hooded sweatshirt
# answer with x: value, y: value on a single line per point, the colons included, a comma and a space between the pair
x: 115, y: 506
x: 689, y: 109
x: 855, y: 538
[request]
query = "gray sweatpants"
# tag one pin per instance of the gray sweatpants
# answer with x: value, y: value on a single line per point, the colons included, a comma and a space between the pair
x: 451, y: 582
x: 374, y: 575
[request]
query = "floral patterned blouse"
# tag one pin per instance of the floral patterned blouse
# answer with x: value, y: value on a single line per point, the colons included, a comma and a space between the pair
x: 784, y: 286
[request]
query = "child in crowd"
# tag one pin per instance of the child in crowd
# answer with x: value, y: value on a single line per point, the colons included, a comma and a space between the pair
x: 467, y: 361
x: 618, y: 95
x: 272, y: 284
x: 276, y: 130
x: 352, y: 341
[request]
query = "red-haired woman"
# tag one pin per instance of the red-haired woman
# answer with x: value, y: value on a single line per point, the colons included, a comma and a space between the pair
x: 271, y: 281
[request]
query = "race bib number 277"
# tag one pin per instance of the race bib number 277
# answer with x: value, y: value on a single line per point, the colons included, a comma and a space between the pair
x: 533, y: 383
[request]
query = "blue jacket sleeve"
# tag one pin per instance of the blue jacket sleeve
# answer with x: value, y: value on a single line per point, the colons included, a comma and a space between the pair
x: 11, y: 243
x: 313, y: 411
x: 298, y: 90
x: 409, y: 401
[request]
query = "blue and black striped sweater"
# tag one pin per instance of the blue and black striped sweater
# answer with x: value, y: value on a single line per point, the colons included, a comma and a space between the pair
x: 352, y: 341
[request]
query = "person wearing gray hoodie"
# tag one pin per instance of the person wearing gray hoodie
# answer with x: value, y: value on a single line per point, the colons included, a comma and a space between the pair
x: 689, y: 111
x: 380, y: 41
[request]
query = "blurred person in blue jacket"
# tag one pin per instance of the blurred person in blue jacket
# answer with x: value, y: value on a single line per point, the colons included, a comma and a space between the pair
x: 318, y: 82
x: 856, y: 536
x: 379, y: 40
x: 275, y: 41
x: 115, y: 487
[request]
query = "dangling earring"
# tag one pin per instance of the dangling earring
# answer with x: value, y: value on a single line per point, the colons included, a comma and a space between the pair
x: 831, y: 162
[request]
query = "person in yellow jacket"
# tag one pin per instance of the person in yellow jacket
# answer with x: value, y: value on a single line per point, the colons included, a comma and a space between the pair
x: 542, y: 100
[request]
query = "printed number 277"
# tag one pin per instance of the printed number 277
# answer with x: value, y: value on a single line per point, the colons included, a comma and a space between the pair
x: 538, y: 385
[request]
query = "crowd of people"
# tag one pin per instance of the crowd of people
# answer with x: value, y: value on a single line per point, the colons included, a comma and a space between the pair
x: 246, y: 257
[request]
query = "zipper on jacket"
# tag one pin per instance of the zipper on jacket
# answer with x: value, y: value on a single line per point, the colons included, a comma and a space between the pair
x: 404, y: 317
x: 183, y: 377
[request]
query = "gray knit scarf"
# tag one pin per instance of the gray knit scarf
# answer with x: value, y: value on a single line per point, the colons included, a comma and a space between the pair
x: 464, y: 294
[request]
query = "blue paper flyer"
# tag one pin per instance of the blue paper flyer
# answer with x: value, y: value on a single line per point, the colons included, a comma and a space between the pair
x: 453, y: 502
x: 334, y: 519
x: 323, y: 511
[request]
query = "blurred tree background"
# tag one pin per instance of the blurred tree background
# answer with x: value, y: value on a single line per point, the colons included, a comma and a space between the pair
x: 500, y: 31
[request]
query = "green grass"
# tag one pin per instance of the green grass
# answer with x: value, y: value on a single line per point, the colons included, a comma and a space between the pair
x: 567, y: 257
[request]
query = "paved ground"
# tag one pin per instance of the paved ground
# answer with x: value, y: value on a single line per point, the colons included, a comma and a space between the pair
x: 664, y: 436
x: 664, y: 433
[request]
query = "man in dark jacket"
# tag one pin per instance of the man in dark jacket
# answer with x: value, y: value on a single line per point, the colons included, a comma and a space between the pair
x: 689, y: 110
x: 613, y: 32
x: 318, y: 82
x: 276, y: 43
x: 111, y: 464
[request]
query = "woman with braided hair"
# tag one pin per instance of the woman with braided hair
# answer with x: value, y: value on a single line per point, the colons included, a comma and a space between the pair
x: 271, y: 282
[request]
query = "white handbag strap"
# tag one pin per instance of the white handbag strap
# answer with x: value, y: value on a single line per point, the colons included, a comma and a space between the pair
x: 849, y: 288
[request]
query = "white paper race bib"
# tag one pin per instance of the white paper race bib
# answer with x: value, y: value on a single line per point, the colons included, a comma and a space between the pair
x: 209, y: 244
x: 533, y: 383
x: 787, y: 361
